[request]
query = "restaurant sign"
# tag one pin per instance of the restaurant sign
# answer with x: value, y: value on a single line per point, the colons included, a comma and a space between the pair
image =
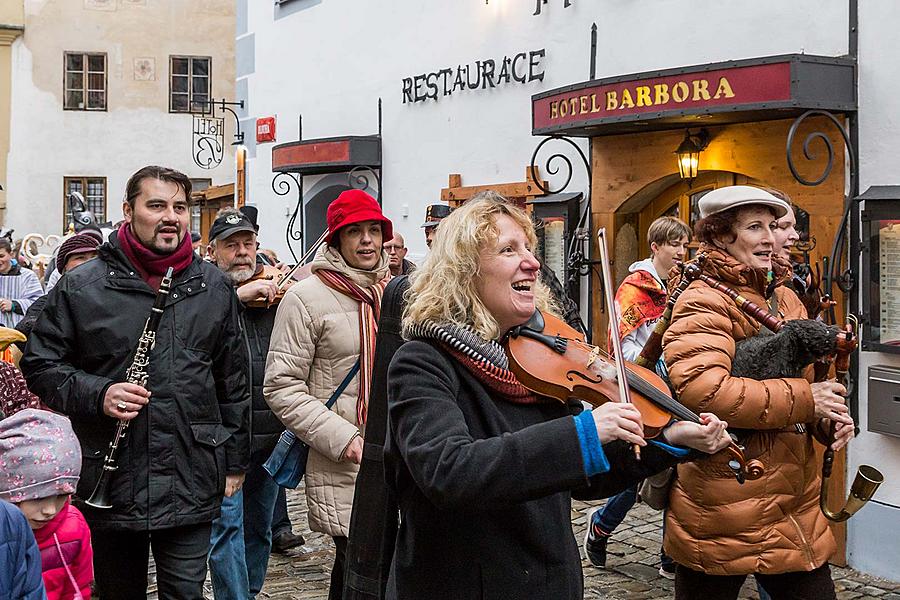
x: 523, y: 67
x: 708, y: 89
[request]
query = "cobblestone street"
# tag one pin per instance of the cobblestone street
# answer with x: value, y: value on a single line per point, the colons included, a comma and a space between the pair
x: 632, y: 571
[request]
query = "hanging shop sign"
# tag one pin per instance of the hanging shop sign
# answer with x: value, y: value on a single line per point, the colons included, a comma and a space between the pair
x: 521, y: 68
x: 208, y: 144
x: 722, y: 92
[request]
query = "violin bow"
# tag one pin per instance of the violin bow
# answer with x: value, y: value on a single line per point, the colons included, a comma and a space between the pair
x: 312, y: 249
x: 622, y: 374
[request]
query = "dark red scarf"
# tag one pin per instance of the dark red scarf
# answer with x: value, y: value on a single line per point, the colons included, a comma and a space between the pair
x: 150, y: 265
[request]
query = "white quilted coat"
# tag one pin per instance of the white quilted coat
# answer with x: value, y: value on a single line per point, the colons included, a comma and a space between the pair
x: 315, y: 343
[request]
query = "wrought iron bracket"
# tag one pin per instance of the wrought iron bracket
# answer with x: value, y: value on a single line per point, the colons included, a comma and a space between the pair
x: 577, y: 263
x: 281, y: 185
x: 845, y: 281
x: 225, y: 106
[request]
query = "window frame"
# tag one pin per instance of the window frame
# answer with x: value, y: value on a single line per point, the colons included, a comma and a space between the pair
x: 190, y: 78
x: 84, y: 186
x: 85, y: 80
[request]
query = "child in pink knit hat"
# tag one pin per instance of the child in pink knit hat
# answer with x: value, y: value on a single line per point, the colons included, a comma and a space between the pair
x: 40, y: 463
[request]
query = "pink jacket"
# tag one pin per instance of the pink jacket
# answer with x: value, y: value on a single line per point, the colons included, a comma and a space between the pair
x: 66, y: 555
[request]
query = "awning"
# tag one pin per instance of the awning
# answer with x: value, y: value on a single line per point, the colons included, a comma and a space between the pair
x: 327, y: 155
x: 775, y: 87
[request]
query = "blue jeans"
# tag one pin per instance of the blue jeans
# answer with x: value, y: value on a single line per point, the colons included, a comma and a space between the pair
x: 241, y: 538
x: 613, y: 513
x: 227, y: 557
x: 260, y: 493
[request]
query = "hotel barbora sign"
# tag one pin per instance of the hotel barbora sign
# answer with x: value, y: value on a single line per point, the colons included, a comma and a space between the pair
x: 627, y: 98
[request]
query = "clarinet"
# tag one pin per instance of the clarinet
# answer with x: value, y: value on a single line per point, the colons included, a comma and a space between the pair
x: 137, y: 373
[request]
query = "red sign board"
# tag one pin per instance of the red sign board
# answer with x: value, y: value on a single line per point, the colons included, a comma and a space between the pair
x: 326, y: 152
x: 690, y: 91
x: 265, y: 130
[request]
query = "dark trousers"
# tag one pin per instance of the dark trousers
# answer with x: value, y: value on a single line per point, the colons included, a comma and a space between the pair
x: 801, y: 585
x: 121, y: 562
x: 335, y: 592
x: 280, y: 520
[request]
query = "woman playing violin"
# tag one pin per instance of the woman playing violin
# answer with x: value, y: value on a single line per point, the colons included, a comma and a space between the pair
x: 485, y: 470
x: 716, y: 530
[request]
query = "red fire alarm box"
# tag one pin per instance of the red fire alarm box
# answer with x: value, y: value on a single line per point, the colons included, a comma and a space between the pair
x: 265, y: 130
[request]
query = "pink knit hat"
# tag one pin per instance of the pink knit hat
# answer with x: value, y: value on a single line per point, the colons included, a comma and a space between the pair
x: 39, y: 456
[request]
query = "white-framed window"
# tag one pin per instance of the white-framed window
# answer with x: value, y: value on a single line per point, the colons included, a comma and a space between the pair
x: 190, y: 82
x: 84, y: 81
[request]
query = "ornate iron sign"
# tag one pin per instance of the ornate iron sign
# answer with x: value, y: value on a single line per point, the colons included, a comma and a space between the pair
x: 208, y: 141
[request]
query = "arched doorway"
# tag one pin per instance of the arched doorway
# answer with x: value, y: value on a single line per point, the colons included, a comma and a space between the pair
x: 670, y: 197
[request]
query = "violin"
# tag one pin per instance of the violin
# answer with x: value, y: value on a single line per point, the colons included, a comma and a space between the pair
x: 285, y: 279
x: 270, y: 273
x: 550, y: 358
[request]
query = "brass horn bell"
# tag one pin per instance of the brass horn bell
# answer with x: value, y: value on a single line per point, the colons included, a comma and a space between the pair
x: 866, y: 482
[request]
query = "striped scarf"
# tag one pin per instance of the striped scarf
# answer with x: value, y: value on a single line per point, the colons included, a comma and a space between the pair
x: 484, y: 359
x: 369, y: 311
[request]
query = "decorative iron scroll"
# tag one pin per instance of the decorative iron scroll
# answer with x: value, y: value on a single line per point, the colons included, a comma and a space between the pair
x: 358, y: 179
x: 281, y: 185
x: 844, y: 281
x: 577, y: 264
x: 809, y: 154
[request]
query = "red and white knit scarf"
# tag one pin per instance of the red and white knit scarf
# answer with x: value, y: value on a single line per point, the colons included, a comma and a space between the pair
x: 369, y: 311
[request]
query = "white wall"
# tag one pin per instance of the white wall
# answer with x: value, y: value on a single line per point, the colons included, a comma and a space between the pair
x: 879, y: 157
x: 333, y: 60
x: 48, y: 143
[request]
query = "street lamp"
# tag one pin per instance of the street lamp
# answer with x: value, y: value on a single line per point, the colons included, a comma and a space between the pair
x: 688, y: 153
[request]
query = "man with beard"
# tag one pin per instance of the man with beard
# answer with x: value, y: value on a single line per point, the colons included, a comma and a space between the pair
x: 241, y: 536
x: 189, y: 425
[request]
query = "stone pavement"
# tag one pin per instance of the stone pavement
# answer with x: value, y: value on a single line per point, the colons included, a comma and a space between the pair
x: 631, y: 573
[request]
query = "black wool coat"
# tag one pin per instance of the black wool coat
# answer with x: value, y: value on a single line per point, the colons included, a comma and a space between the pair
x: 485, y: 485
x: 196, y: 428
x: 265, y: 426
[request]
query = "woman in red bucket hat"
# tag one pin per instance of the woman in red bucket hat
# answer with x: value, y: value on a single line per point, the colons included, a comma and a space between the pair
x: 325, y: 330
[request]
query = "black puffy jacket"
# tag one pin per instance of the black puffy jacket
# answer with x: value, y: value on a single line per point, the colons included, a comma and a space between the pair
x: 266, y: 427
x: 196, y: 428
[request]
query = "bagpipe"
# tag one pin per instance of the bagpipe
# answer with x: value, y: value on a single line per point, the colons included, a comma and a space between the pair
x: 783, y: 351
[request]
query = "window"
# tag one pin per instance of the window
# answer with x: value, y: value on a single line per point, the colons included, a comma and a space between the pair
x: 94, y: 191
x: 189, y: 83
x: 85, y: 81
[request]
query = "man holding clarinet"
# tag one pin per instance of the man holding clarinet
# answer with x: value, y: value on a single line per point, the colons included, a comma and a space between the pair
x: 187, y: 440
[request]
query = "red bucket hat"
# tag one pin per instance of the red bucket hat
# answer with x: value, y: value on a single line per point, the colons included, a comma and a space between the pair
x: 354, y: 206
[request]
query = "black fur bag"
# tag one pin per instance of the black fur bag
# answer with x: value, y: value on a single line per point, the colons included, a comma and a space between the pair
x: 786, y: 353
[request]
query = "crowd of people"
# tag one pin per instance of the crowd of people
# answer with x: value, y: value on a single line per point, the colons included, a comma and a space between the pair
x: 482, y: 467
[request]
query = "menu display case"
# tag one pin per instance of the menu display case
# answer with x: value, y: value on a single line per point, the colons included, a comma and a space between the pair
x: 880, y: 225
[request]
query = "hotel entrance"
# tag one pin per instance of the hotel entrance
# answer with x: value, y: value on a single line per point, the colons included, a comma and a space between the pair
x: 660, y: 141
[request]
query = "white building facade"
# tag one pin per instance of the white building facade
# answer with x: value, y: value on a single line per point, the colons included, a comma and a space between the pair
x: 330, y: 61
x: 101, y: 88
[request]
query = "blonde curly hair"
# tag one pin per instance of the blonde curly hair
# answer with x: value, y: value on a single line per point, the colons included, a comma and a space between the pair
x: 443, y: 289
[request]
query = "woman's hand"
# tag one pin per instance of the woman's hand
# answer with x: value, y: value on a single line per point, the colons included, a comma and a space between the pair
x: 354, y: 451
x: 619, y: 421
x: 6, y: 305
x: 842, y: 435
x: 830, y: 403
x: 707, y: 436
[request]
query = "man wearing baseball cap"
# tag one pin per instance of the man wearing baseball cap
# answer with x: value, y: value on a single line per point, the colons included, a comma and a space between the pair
x: 324, y: 332
x: 240, y: 542
x: 434, y: 214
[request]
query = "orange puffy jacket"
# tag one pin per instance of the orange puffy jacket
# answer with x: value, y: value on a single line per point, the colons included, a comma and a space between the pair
x: 714, y: 524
